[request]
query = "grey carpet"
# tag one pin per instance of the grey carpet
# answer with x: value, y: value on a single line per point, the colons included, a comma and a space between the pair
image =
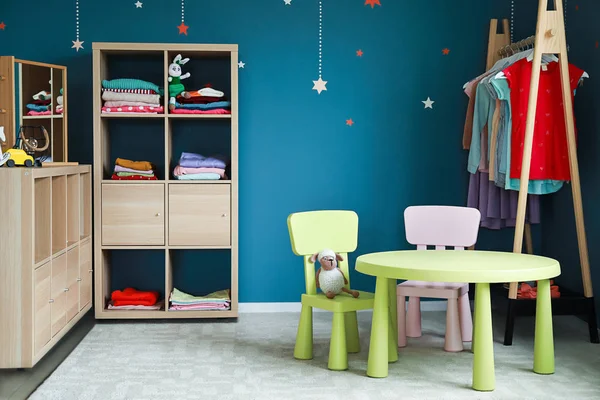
x: 253, y: 359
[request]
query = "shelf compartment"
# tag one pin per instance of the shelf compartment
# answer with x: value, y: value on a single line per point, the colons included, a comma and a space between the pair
x: 73, y: 209
x: 85, y: 205
x: 42, y: 223
x: 148, y: 66
x: 139, y: 269
x: 198, y: 272
x: 58, y: 144
x: 199, y: 215
x: 33, y: 79
x: 59, y: 214
x: 207, y: 137
x: 136, y: 140
x: 206, y: 69
x: 133, y: 214
x: 31, y: 128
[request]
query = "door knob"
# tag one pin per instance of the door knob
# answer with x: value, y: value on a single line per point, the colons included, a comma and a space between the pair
x: 78, y: 279
x: 158, y: 214
x: 66, y: 289
x: 51, y: 301
x: 223, y: 215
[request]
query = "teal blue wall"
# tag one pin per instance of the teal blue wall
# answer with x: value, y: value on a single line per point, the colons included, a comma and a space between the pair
x: 560, y: 240
x: 296, y: 151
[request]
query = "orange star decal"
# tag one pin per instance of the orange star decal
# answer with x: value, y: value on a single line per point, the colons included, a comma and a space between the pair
x: 577, y: 8
x: 349, y: 122
x: 2, y: 25
x: 359, y: 53
x: 597, y: 44
x: 446, y: 51
x: 372, y: 3
x: 183, y: 28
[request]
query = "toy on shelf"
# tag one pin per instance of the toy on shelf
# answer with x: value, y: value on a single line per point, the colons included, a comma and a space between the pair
x: 25, y: 148
x: 331, y: 279
x: 175, y: 77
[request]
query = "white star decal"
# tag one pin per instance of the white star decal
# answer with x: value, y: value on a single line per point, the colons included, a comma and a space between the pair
x: 77, y: 44
x: 320, y: 85
x: 241, y: 64
x: 288, y: 2
x: 428, y: 103
x: 138, y: 4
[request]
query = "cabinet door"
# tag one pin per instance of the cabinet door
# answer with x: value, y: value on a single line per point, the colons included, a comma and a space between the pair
x: 133, y: 214
x: 72, y: 283
x: 85, y: 274
x: 199, y: 215
x: 59, y: 293
x: 42, y: 311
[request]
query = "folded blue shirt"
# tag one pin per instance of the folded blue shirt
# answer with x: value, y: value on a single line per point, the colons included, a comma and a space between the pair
x: 193, y: 160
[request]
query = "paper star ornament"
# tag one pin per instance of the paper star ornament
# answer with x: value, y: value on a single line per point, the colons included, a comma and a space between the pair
x: 182, y: 28
x: 77, y: 44
x: 372, y: 3
x: 138, y: 4
x: 428, y: 103
x: 319, y: 85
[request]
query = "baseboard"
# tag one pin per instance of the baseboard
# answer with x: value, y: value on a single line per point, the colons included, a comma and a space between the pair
x: 247, y: 308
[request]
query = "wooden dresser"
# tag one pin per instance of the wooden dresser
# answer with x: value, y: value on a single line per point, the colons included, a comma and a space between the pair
x: 46, y: 258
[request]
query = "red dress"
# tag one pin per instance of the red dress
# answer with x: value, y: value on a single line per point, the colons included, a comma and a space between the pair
x: 550, y: 155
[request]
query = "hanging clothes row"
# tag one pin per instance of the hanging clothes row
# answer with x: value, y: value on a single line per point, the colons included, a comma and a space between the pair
x: 494, y: 135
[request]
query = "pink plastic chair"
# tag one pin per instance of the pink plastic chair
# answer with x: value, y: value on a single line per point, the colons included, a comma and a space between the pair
x: 439, y: 226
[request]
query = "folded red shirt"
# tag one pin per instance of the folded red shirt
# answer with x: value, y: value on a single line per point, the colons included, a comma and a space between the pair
x: 131, y: 296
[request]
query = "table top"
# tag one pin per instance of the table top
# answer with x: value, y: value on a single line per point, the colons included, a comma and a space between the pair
x: 471, y: 266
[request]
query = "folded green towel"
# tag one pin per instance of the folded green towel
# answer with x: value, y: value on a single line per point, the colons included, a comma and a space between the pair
x: 182, y: 297
x: 127, y: 83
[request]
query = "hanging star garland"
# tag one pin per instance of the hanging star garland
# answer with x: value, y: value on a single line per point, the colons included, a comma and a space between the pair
x: 77, y: 44
x: 446, y: 51
x: 138, y: 4
x: 320, y: 84
x: 349, y: 122
x: 373, y: 3
x: 359, y: 53
x: 183, y: 27
x: 2, y: 26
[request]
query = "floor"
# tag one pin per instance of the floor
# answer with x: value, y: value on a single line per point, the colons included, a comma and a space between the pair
x: 18, y: 385
x: 252, y: 359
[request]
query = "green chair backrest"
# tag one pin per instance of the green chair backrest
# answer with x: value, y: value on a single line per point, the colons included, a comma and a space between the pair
x: 312, y: 231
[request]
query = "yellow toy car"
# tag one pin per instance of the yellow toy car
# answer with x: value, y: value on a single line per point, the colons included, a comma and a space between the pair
x: 19, y: 157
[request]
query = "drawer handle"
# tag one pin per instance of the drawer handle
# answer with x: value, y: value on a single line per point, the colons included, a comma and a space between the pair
x: 223, y: 215
x: 158, y: 214
x: 90, y: 270
x: 51, y: 301
x: 66, y: 289
x: 78, y: 279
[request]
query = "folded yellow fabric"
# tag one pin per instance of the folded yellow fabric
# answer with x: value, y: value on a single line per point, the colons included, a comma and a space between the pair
x: 137, y: 165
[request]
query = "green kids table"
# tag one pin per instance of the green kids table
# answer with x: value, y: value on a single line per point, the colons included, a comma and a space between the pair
x: 479, y: 267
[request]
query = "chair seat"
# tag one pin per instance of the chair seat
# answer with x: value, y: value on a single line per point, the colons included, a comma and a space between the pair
x: 343, y: 302
x: 439, y: 290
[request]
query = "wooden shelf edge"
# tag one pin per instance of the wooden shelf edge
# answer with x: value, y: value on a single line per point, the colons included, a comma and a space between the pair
x: 140, y: 247
x: 132, y: 115
x: 199, y: 247
x: 40, y: 263
x: 162, y: 314
x: 199, y: 116
x: 58, y: 253
x: 125, y: 182
x: 198, y: 182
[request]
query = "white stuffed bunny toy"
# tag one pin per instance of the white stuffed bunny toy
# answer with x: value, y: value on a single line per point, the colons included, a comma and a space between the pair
x: 331, y: 279
x: 175, y: 77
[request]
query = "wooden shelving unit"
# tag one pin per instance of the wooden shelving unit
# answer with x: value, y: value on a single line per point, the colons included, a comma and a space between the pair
x: 20, y: 80
x: 151, y: 234
x: 45, y: 280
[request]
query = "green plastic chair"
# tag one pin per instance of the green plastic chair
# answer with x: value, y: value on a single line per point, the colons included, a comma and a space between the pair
x: 311, y: 232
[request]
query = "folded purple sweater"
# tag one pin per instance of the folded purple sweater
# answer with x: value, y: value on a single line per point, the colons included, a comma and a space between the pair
x: 192, y: 160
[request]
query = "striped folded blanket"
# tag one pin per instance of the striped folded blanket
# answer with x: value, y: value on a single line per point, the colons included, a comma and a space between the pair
x: 128, y: 83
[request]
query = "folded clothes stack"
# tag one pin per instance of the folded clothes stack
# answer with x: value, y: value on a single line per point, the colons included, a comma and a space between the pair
x: 133, y: 299
x: 203, y: 101
x: 59, y: 103
x: 131, y: 96
x: 127, y: 170
x: 194, y: 166
x: 41, y: 104
x: 220, y: 300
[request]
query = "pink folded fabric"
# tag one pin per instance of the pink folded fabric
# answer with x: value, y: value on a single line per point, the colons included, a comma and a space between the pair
x: 188, y: 111
x: 39, y: 112
x: 118, y: 168
x: 189, y: 171
x: 133, y: 109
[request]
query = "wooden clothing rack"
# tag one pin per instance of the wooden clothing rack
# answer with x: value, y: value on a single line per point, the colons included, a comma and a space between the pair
x: 550, y: 38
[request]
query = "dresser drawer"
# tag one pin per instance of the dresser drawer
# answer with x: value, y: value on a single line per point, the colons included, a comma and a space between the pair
x: 199, y: 215
x: 133, y: 214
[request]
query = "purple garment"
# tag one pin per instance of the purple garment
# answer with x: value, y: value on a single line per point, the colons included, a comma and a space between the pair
x: 498, y: 206
x: 192, y: 160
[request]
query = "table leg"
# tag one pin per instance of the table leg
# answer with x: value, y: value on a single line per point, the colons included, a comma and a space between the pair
x: 377, y: 366
x: 483, y: 347
x: 543, y: 348
x: 393, y: 322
